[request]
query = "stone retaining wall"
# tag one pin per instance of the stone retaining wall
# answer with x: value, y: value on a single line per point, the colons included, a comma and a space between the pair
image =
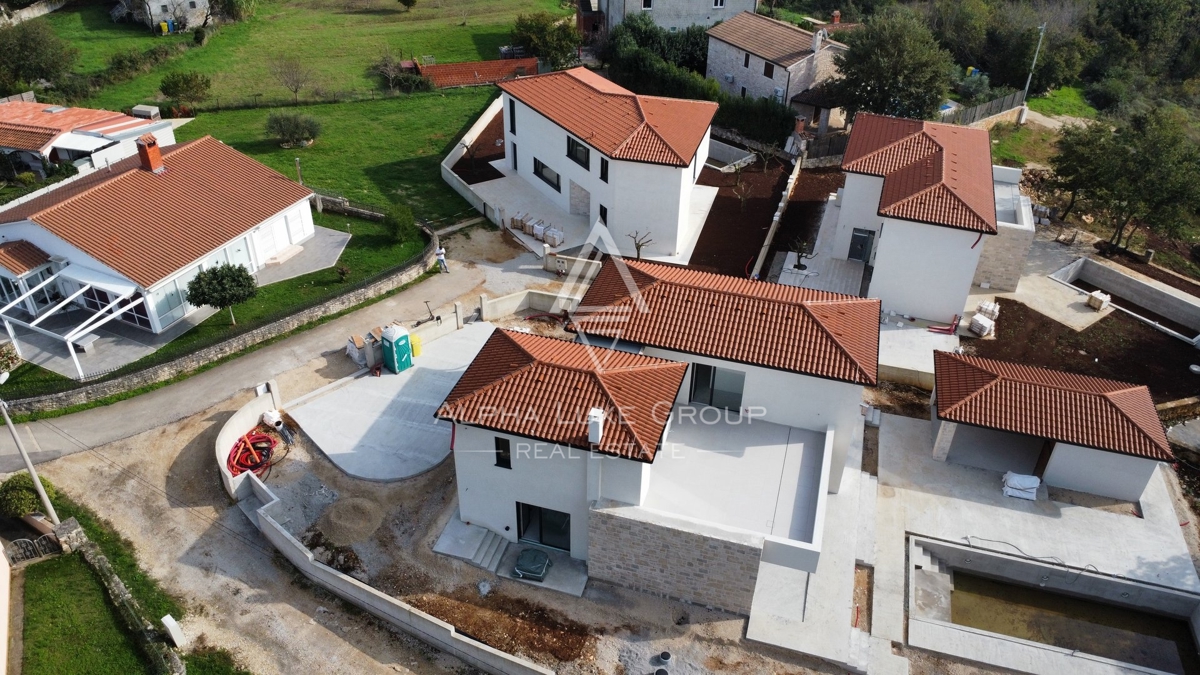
x: 676, y: 560
x: 203, y: 357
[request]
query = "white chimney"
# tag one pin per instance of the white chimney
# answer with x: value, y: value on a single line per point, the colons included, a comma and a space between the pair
x: 818, y: 35
x: 595, y: 426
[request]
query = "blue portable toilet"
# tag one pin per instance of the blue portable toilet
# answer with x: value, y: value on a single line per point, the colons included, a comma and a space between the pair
x: 397, y: 348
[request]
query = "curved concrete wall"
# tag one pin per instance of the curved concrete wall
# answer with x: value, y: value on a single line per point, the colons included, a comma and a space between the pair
x: 245, y: 419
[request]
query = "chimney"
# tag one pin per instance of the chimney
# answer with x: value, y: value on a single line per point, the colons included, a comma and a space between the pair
x: 147, y: 146
x: 595, y: 426
x: 837, y: 16
x: 818, y: 35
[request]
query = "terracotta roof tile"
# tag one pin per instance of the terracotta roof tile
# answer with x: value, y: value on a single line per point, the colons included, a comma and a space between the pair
x: 775, y: 41
x: 614, y: 120
x: 474, y: 73
x: 1076, y: 409
x: 20, y: 256
x: 783, y: 327
x: 25, y: 137
x: 932, y: 173
x: 15, y: 115
x: 543, y: 388
x: 146, y: 225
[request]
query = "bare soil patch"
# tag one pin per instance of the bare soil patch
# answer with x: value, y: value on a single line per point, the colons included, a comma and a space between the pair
x: 899, y: 399
x: 802, y: 218
x: 1117, y: 347
x: 870, y: 454
x: 733, y: 234
x: 864, y: 585
x: 1126, y: 259
x: 1129, y: 305
x: 479, y: 170
x: 1118, y: 506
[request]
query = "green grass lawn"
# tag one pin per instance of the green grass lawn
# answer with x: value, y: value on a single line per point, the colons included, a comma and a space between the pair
x: 339, y: 40
x: 1014, y: 145
x: 1063, y: 101
x: 70, y: 627
x: 375, y: 152
x: 86, y: 26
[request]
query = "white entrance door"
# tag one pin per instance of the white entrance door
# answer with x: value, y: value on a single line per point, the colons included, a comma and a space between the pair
x: 295, y: 226
x: 266, y: 243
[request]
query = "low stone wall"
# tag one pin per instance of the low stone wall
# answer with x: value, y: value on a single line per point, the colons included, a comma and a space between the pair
x: 669, y: 557
x: 1002, y: 259
x: 428, y: 629
x: 203, y: 357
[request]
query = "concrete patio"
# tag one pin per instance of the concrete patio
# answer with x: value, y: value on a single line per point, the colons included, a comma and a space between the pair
x: 383, y: 428
x: 512, y: 195
x: 825, y: 271
x: 320, y: 252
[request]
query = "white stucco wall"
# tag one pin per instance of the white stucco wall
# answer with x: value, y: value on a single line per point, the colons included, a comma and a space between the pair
x: 639, y: 196
x: 860, y: 210
x: 541, y: 475
x: 1098, y: 472
x: 618, y: 479
x: 676, y: 14
x: 164, y: 134
x: 51, y: 244
x: 791, y: 399
x: 924, y: 270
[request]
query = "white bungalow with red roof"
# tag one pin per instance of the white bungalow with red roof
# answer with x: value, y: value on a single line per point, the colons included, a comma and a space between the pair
x: 32, y: 133
x: 123, y: 243
x: 1082, y: 433
x: 923, y: 216
x: 597, y: 150
x: 699, y: 422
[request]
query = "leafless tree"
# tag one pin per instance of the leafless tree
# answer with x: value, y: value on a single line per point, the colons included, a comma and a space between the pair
x: 389, y: 68
x: 471, y: 150
x: 640, y: 241
x: 291, y: 73
x: 742, y: 190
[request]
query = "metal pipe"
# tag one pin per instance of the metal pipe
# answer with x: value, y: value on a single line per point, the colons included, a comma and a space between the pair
x: 37, y: 483
x: 1028, y: 80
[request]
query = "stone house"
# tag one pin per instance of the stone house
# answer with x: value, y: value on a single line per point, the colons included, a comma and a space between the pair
x: 594, y: 16
x: 655, y: 446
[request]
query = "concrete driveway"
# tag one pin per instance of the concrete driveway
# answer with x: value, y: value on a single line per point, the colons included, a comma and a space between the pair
x: 383, y: 428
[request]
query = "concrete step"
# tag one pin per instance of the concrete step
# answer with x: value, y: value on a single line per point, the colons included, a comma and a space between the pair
x: 492, y: 563
x: 487, y: 547
x: 883, y: 661
x: 874, y: 416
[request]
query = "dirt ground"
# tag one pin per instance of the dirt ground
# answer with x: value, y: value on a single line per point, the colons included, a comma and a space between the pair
x: 733, y: 234
x: 1153, y: 271
x: 1117, y: 347
x: 802, y: 218
x: 864, y: 584
x: 899, y: 399
x: 478, y: 170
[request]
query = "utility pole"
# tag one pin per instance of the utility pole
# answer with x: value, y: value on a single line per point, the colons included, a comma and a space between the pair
x: 300, y: 176
x: 1036, y: 52
x: 37, y: 483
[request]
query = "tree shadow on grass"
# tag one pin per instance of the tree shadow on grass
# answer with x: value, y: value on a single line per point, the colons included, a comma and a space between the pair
x: 489, y: 40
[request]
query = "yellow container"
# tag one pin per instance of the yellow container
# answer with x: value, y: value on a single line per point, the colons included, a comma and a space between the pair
x: 163, y: 26
x: 416, y: 345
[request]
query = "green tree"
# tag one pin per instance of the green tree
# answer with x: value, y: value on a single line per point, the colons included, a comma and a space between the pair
x: 1082, y: 164
x: 961, y: 27
x: 399, y: 223
x: 893, y: 67
x: 222, y: 287
x: 548, y: 37
x: 18, y: 497
x: 187, y: 87
x: 1155, y: 26
x: 31, y: 51
x: 293, y: 128
x: 408, y: 4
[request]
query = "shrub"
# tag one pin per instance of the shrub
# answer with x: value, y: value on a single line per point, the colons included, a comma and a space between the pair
x: 186, y: 87
x: 293, y: 127
x: 27, y: 178
x: 399, y: 222
x: 126, y: 62
x: 408, y: 4
x: 19, y: 498
x: 412, y: 82
x: 543, y: 35
x: 72, y: 87
x: 199, y: 37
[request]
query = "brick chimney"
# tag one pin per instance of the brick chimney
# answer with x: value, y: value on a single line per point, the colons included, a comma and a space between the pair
x: 147, y: 146
x: 837, y: 16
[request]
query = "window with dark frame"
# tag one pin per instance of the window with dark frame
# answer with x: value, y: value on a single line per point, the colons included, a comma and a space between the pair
x: 547, y: 174
x: 512, y: 116
x: 647, y: 4
x: 746, y: 60
x: 717, y: 387
x: 604, y: 214
x: 718, y: 4
x: 743, y: 92
x: 503, y: 453
x: 579, y: 153
x: 769, y: 70
x: 515, y: 166
x: 604, y: 169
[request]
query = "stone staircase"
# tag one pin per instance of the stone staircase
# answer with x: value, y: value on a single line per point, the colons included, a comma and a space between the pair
x: 490, y: 551
x: 860, y: 650
x: 933, y: 583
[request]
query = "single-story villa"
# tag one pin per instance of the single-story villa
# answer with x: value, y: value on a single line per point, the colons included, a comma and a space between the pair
x: 1077, y: 432
x: 124, y: 242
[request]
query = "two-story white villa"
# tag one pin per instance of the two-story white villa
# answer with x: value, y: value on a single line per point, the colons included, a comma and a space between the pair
x: 122, y: 243
x: 698, y: 423
x: 757, y: 56
x: 594, y: 16
x: 598, y: 150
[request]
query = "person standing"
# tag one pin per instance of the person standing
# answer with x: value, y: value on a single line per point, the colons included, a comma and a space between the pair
x: 441, y: 258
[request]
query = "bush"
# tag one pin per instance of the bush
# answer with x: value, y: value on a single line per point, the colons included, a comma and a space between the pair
x: 543, y: 35
x: 126, y: 62
x: 19, y: 498
x: 27, y: 178
x: 411, y: 82
x: 186, y: 87
x: 71, y: 87
x: 400, y: 223
x: 199, y: 37
x: 8, y: 358
x: 293, y: 128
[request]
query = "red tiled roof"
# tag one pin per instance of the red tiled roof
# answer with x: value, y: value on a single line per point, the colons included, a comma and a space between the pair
x: 543, y: 388
x: 20, y: 256
x: 783, y: 327
x: 614, y: 120
x: 776, y: 41
x: 25, y: 137
x: 1076, y: 409
x: 473, y: 73
x: 932, y: 173
x: 146, y: 225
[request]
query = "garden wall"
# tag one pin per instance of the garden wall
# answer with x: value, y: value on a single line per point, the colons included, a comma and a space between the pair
x: 505, y: 305
x: 452, y: 179
x: 203, y: 357
x: 783, y: 204
x: 424, y: 627
x: 1157, y: 297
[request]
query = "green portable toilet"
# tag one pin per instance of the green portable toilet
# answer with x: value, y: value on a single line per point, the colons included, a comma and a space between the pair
x: 397, y: 348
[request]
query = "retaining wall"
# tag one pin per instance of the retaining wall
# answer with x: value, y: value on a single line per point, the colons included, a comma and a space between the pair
x: 31, y: 12
x: 730, y: 155
x: 783, y: 203
x: 407, y: 618
x: 671, y: 557
x: 1009, y: 116
x: 203, y: 357
x: 459, y: 185
x: 1157, y: 297
x: 505, y: 305
x: 246, y: 418
x: 579, y: 270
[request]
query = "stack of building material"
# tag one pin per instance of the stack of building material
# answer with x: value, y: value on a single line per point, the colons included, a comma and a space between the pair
x: 539, y: 231
x: 989, y: 309
x: 1098, y: 300
x: 555, y: 236
x: 982, y: 326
